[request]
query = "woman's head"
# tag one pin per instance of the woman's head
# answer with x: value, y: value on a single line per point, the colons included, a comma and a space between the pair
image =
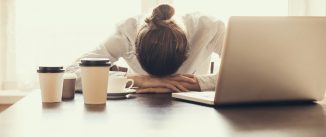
x: 161, y: 44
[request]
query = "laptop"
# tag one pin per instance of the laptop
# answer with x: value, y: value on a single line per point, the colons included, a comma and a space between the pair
x: 269, y: 59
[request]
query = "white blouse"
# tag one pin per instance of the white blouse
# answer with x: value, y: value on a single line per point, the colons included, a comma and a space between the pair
x: 205, y: 36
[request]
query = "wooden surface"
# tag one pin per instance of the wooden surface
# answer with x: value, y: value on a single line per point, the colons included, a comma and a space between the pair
x: 158, y: 115
x: 4, y: 107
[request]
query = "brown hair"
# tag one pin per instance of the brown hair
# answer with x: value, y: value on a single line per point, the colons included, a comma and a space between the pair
x: 161, y: 45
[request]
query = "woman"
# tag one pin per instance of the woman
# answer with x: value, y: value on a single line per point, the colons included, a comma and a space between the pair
x: 165, y: 55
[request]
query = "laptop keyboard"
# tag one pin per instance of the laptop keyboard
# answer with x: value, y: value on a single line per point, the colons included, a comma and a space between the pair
x: 208, y: 95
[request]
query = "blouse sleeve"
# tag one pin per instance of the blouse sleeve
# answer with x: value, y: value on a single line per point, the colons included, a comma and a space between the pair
x: 208, y: 82
x: 218, y: 39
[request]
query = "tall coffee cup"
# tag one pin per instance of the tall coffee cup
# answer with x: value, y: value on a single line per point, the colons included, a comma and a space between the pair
x: 51, y: 82
x: 94, y: 77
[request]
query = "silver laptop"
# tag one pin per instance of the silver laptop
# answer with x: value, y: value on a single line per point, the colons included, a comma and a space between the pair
x: 269, y: 59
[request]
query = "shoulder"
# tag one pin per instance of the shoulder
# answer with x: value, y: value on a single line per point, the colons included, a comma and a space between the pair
x: 123, y: 38
x: 128, y: 22
x: 198, y: 19
x: 202, y: 26
x: 195, y: 22
x: 128, y: 25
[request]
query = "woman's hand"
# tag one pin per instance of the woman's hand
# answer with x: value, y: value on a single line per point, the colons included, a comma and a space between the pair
x: 153, y: 90
x: 164, y: 84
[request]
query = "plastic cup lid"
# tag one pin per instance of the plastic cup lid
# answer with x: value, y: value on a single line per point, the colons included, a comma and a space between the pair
x: 50, y: 69
x: 95, y: 62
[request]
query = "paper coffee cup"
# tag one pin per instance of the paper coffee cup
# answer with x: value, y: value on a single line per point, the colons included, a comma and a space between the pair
x: 94, y: 76
x: 51, y: 82
x: 117, y: 84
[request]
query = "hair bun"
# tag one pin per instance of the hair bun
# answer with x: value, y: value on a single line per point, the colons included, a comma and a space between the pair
x: 161, y: 15
x: 163, y: 12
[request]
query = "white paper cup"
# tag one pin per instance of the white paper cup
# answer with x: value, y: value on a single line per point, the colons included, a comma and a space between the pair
x: 51, y: 83
x: 118, y: 84
x: 94, y: 76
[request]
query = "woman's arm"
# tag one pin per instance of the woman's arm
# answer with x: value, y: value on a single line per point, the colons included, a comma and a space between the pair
x: 176, y: 83
x: 197, y: 83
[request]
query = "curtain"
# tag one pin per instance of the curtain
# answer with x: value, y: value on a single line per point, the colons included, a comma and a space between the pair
x: 53, y: 32
x: 7, y: 50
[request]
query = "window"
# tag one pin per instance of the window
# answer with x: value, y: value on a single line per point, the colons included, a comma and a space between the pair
x: 59, y: 31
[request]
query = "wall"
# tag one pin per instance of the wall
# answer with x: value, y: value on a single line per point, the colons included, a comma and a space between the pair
x: 317, y: 7
x: 307, y: 7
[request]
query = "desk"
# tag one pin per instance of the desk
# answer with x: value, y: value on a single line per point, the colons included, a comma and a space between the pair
x: 158, y: 115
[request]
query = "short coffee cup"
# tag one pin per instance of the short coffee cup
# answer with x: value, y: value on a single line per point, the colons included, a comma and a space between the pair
x: 51, y: 83
x: 117, y: 84
x: 68, y: 91
x: 94, y: 77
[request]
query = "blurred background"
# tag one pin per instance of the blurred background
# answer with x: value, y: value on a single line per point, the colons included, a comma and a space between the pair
x: 36, y: 32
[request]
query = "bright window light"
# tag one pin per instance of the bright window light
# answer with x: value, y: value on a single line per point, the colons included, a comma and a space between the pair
x: 59, y: 31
